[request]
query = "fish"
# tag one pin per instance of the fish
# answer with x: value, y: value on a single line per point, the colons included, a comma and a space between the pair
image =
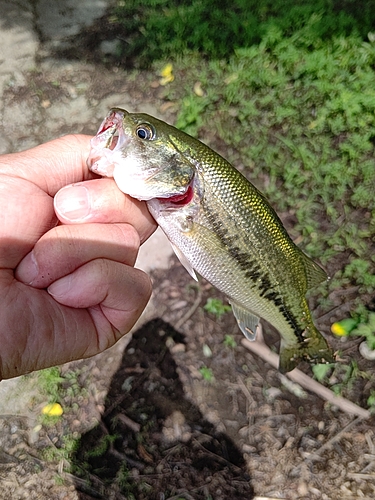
x: 219, y: 225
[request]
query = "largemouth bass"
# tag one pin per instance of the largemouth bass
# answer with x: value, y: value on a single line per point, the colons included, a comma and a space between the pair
x: 219, y: 225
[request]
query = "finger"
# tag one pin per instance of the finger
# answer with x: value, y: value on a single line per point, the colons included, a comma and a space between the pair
x: 114, y: 293
x: 100, y: 200
x: 51, y: 165
x: 26, y: 213
x: 65, y: 248
x: 47, y: 332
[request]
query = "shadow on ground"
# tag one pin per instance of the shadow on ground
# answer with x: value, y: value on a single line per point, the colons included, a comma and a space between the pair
x: 152, y: 443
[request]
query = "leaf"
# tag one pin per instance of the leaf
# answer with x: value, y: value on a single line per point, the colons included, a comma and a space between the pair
x: 320, y: 371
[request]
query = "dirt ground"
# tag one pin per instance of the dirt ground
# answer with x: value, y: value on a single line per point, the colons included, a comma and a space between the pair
x: 157, y: 428
x: 173, y: 412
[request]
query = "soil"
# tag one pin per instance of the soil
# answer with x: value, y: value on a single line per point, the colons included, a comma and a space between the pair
x: 172, y: 411
x: 157, y: 428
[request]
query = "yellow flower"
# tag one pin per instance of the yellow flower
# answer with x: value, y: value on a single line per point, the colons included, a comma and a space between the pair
x: 344, y: 327
x: 53, y: 410
x: 338, y: 329
x: 167, y: 74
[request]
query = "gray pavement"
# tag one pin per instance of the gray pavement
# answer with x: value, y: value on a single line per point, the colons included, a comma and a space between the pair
x: 42, y: 98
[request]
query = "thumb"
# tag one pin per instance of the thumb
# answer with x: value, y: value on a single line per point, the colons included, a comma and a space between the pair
x: 100, y: 200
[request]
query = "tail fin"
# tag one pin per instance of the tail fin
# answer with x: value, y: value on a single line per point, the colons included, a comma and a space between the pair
x: 315, y: 350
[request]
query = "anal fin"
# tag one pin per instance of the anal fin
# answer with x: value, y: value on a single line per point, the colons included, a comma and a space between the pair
x: 247, y: 321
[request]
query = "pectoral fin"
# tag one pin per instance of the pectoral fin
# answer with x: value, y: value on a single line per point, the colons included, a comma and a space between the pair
x: 247, y: 321
x: 185, y: 262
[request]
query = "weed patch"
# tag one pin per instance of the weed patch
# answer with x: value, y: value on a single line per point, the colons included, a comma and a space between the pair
x: 152, y: 30
x: 300, y: 114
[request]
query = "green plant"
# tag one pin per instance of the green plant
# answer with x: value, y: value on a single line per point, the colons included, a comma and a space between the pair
x: 206, y: 373
x: 300, y: 115
x: 360, y: 326
x: 102, y: 446
x: 50, y: 381
x: 367, y: 329
x: 64, y: 452
x: 192, y: 119
x: 229, y: 341
x: 340, y: 377
x: 371, y: 401
x: 321, y: 371
x: 216, y: 307
x: 159, y: 29
x: 360, y: 270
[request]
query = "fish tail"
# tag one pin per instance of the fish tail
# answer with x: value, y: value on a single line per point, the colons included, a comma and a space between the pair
x: 314, y: 350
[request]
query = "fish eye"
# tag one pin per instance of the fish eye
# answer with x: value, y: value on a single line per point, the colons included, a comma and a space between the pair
x: 146, y: 132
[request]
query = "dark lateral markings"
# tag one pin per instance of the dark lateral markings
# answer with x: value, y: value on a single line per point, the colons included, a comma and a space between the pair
x: 254, y: 273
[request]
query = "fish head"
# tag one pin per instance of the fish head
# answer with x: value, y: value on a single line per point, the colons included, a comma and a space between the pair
x: 142, y: 154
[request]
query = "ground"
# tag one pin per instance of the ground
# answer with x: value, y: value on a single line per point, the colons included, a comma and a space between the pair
x: 157, y: 427
x: 180, y: 409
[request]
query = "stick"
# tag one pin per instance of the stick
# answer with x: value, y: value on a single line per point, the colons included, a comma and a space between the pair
x: 263, y: 351
x: 332, y: 440
x: 191, y: 311
x: 134, y: 426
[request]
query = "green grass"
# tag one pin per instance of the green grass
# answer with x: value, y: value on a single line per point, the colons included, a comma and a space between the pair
x: 154, y: 29
x: 299, y: 114
x: 50, y: 382
x: 288, y: 87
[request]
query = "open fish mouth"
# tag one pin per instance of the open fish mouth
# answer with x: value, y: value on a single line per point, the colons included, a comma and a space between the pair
x: 107, y: 144
x: 117, y: 151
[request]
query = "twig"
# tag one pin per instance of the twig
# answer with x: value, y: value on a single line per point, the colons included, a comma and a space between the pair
x: 333, y: 439
x: 355, y: 475
x: 185, y: 493
x: 83, y: 485
x: 263, y: 351
x: 245, y: 390
x: 265, y: 498
x: 124, y: 458
x: 191, y: 311
x: 134, y: 426
x: 217, y: 457
x: 370, y: 444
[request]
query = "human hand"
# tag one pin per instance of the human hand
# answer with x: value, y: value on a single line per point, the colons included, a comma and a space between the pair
x: 67, y: 291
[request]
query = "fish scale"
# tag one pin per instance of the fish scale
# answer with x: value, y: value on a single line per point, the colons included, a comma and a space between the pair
x: 219, y: 239
x: 219, y: 225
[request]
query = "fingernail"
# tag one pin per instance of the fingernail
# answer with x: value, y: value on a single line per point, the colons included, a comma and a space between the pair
x: 72, y: 202
x: 28, y: 269
x: 61, y: 287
